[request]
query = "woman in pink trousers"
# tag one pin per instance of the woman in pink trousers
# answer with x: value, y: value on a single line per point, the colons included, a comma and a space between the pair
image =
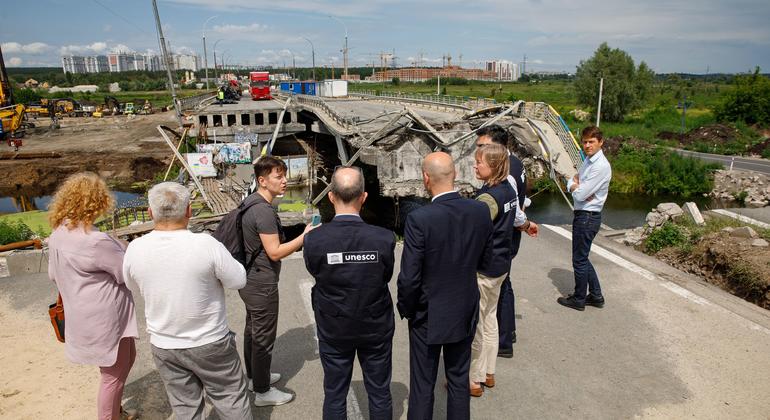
x: 86, y: 266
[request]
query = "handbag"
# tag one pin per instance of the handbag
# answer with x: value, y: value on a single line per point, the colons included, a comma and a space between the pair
x: 56, y: 312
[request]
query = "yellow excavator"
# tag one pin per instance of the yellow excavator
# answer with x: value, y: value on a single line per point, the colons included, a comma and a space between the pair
x: 12, y: 116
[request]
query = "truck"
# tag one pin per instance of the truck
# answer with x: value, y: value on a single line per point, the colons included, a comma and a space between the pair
x: 259, y: 85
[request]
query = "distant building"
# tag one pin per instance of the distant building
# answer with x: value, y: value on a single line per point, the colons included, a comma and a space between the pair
x: 186, y: 62
x: 153, y: 63
x: 427, y: 73
x: 73, y: 64
x: 97, y: 64
x: 505, y: 70
x: 121, y: 61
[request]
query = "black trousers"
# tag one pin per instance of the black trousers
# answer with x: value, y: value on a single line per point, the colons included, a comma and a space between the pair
x: 376, y: 366
x: 259, y: 334
x: 423, y: 367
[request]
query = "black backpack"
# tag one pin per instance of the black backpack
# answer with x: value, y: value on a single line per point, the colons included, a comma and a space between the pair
x: 230, y: 232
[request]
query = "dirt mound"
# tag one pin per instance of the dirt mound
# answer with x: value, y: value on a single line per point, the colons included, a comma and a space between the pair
x: 612, y: 144
x: 761, y: 149
x: 146, y: 167
x: 728, y: 262
x: 711, y: 134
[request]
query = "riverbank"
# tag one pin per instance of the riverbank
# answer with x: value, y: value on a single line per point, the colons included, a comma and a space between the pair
x: 722, y: 247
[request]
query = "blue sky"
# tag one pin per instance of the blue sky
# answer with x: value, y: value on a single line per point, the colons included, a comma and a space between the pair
x: 671, y: 35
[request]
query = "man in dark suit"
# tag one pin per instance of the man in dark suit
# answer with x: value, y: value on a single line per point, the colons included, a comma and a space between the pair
x: 445, y: 244
x: 352, y: 263
x: 506, y: 308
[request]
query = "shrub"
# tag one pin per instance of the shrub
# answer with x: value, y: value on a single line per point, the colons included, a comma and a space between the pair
x: 749, y: 102
x: 14, y: 232
x: 665, y: 236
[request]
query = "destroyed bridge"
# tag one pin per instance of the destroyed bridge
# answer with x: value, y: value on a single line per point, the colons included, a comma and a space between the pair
x: 388, y: 135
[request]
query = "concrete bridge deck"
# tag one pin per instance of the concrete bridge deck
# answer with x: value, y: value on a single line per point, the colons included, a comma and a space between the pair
x: 665, y: 346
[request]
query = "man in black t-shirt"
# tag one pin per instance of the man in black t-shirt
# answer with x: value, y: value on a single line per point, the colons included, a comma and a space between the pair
x: 262, y: 233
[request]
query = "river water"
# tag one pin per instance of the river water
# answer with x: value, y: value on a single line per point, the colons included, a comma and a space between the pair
x: 621, y: 211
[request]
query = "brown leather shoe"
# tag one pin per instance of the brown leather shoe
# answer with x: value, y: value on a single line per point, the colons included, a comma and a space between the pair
x: 477, y: 392
x: 490, y: 382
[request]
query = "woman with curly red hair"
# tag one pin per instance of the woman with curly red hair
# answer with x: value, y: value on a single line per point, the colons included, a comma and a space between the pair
x: 86, y: 266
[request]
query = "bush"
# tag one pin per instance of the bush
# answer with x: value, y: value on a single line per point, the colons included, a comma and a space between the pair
x: 749, y: 102
x: 14, y: 232
x: 665, y: 236
x: 659, y: 171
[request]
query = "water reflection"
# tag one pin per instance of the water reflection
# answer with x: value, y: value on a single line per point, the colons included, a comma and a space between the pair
x: 24, y: 203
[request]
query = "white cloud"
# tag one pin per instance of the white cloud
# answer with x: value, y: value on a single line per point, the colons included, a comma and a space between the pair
x: 35, y: 48
x: 240, y: 29
x: 14, y: 62
x: 94, y: 48
x: 121, y: 48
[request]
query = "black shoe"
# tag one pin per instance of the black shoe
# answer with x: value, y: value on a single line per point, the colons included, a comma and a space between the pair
x: 505, y: 353
x: 571, y: 302
x: 513, y: 339
x: 592, y: 300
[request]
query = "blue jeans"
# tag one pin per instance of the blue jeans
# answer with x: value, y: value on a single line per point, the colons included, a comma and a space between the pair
x: 585, y: 226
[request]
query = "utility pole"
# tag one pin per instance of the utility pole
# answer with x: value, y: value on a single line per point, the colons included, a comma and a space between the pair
x: 205, y: 54
x: 599, y: 106
x: 162, y: 41
x: 524, y: 65
x: 438, y: 85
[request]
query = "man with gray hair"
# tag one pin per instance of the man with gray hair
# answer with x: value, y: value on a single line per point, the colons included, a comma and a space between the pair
x: 352, y: 263
x: 181, y: 276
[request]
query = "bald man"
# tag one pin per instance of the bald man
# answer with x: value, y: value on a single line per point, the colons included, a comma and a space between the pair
x: 352, y: 263
x: 445, y: 244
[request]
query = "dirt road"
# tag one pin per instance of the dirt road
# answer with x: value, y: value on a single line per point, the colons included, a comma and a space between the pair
x: 122, y: 149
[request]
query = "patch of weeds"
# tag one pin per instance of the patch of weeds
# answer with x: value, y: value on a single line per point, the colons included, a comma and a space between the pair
x: 14, y: 231
x: 740, y: 197
x: 665, y: 236
x: 747, y: 281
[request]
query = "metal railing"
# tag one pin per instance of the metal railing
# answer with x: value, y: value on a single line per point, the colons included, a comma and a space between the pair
x: 544, y: 112
x: 462, y: 102
x: 319, y: 104
x: 192, y: 102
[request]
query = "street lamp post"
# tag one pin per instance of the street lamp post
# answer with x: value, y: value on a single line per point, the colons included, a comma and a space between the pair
x: 205, y: 54
x: 312, y: 49
x: 215, y: 59
x: 345, y: 50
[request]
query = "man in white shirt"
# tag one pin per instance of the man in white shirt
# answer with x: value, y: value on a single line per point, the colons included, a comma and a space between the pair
x: 181, y: 276
x: 589, y: 190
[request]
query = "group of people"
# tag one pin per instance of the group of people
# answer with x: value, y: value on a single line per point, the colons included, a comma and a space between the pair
x: 454, y: 286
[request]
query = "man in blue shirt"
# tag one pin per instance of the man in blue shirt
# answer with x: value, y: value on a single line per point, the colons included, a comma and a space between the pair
x: 589, y: 192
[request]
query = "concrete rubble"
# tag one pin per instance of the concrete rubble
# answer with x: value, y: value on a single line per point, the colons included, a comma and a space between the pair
x: 752, y: 188
x: 691, y: 211
x: 759, y: 242
x: 744, y: 232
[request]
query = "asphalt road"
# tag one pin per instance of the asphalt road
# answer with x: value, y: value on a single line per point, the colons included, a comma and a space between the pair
x: 741, y: 163
x: 664, y: 346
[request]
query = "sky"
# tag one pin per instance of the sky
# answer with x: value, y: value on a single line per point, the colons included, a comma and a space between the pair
x: 714, y: 36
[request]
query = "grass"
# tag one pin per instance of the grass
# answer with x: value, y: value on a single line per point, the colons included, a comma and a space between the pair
x: 295, y: 206
x: 36, y: 220
x: 158, y: 98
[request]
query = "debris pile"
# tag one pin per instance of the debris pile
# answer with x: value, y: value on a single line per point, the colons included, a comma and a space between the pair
x: 751, y: 188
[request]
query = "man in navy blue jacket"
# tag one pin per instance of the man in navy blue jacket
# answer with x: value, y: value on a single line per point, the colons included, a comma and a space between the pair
x: 506, y: 306
x: 352, y: 263
x: 445, y: 244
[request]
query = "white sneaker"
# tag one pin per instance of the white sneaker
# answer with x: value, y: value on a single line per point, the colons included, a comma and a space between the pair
x: 272, y: 397
x: 274, y: 377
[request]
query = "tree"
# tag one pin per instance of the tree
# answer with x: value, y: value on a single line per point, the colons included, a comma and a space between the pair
x: 748, y: 102
x: 625, y: 85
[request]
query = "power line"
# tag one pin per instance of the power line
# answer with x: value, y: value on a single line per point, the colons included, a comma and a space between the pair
x: 121, y: 17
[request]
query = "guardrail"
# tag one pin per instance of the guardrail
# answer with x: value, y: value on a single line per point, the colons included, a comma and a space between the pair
x: 320, y: 104
x: 462, y: 102
x: 192, y: 102
x: 544, y: 112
